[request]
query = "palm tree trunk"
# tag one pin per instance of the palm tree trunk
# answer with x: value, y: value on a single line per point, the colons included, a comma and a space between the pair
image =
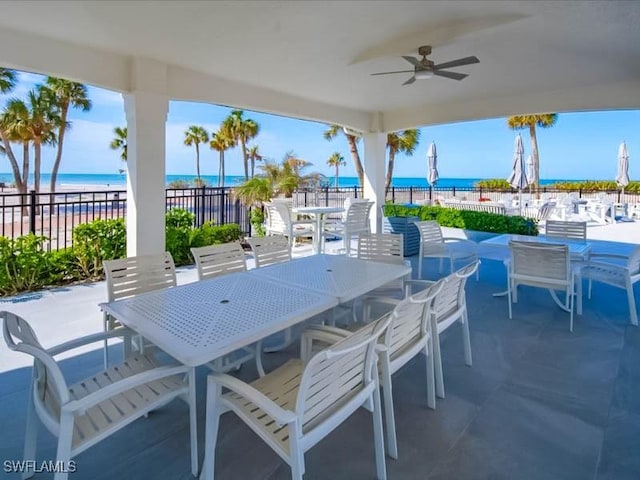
x: 392, y: 159
x: 534, y: 154
x: 353, y: 149
x: 197, y: 159
x: 253, y: 166
x: 56, y: 164
x: 220, y: 168
x: 245, y: 158
x: 337, y: 176
x: 25, y: 177
x: 12, y: 161
x: 37, y: 154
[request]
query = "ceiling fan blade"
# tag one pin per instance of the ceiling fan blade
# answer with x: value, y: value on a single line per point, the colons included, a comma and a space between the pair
x: 410, y: 81
x: 390, y: 73
x: 413, y: 61
x: 457, y: 63
x: 452, y: 75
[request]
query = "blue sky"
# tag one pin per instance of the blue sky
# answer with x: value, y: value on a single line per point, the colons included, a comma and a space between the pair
x: 580, y: 146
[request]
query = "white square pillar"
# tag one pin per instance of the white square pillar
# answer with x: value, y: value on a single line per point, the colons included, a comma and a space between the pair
x: 375, y: 148
x: 146, y: 128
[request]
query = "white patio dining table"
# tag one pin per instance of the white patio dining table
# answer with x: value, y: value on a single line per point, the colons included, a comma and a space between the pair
x: 318, y: 214
x: 201, y: 321
x: 344, y: 278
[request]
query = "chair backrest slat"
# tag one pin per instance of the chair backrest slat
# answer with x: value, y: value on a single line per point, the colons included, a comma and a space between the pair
x: 563, y: 229
x: 452, y: 297
x: 430, y: 231
x: 381, y: 247
x: 215, y: 260
x: 357, y: 217
x: 270, y: 250
x: 278, y: 217
x: 127, y: 277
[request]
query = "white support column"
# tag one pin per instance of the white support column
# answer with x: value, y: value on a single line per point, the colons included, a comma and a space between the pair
x: 146, y: 107
x: 375, y: 147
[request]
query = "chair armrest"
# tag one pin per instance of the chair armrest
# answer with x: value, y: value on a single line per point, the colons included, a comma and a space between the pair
x: 456, y: 239
x: 324, y: 332
x: 280, y: 415
x: 606, y: 266
x: 80, y: 405
x: 381, y: 300
x: 86, y: 340
x: 609, y: 255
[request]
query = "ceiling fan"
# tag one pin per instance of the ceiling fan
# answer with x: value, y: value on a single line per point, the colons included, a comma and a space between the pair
x: 423, y: 69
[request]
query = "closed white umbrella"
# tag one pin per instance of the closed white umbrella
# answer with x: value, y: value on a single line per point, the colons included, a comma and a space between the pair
x: 622, y: 178
x: 518, y: 178
x: 531, y: 172
x: 432, y: 157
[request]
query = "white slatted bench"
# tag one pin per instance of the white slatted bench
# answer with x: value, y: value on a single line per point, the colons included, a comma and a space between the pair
x: 476, y: 207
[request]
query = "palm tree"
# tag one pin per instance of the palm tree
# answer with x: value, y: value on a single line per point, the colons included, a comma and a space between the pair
x: 405, y: 142
x: 543, y: 120
x: 221, y: 141
x: 336, y: 160
x: 14, y: 128
x: 120, y: 142
x: 7, y: 80
x: 41, y: 125
x: 65, y: 94
x: 195, y: 135
x: 254, y: 155
x: 242, y: 130
x: 352, y: 139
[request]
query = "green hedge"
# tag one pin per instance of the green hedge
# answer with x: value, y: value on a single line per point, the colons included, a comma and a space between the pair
x: 597, y: 185
x: 466, y: 219
x: 26, y: 265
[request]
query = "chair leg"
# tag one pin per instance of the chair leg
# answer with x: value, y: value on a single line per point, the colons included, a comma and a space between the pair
x: 579, y: 293
x: 509, y: 297
x: 466, y: 337
x: 381, y: 468
x: 212, y: 422
x: 633, y: 313
x: 389, y: 415
x: 589, y: 290
x: 259, y: 365
x: 431, y: 385
x: 193, y: 422
x: 296, y: 453
x: 437, y: 359
x: 571, y: 305
x: 420, y: 265
x: 65, y: 438
x: 105, y: 320
x: 31, y: 434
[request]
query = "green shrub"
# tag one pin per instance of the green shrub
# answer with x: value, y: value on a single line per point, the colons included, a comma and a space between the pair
x: 25, y: 265
x: 96, y: 241
x: 466, y: 219
x: 257, y: 221
x: 210, y: 234
x: 597, y: 185
x: 200, y: 182
x: 178, y: 184
x: 179, y: 223
x: 493, y: 184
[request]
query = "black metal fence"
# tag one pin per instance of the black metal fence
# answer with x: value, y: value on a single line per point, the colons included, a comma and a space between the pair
x: 56, y: 215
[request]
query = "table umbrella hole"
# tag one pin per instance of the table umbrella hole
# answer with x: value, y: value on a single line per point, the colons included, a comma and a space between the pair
x: 224, y: 301
x: 329, y: 270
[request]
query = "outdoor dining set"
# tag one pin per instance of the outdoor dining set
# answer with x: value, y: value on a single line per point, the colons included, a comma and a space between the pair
x: 358, y: 317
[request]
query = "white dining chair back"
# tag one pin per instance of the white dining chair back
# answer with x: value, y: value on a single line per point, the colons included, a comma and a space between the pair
x: 356, y: 221
x: 564, y: 229
x: 297, y: 405
x: 381, y: 247
x: 542, y: 265
x: 433, y: 244
x: 215, y: 260
x: 450, y: 307
x: 624, y: 274
x: 280, y: 221
x: 131, y: 276
x: 270, y: 250
x: 86, y: 413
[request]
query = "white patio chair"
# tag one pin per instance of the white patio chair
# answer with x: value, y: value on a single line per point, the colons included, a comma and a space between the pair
x: 297, y: 405
x: 434, y: 245
x: 450, y: 306
x: 270, y: 250
x: 544, y: 266
x: 356, y: 221
x: 564, y: 229
x: 622, y: 275
x: 213, y: 261
x: 280, y: 222
x: 91, y: 410
x: 408, y: 335
x: 127, y: 277
x: 385, y: 248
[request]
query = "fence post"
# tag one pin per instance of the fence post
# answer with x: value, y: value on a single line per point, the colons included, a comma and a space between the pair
x: 480, y: 194
x: 580, y: 193
x: 202, y: 202
x: 237, y: 212
x: 454, y: 190
x: 410, y: 194
x: 355, y: 191
x: 32, y: 211
x: 393, y: 194
x: 618, y: 196
x: 430, y: 194
x: 326, y: 196
x: 223, y: 195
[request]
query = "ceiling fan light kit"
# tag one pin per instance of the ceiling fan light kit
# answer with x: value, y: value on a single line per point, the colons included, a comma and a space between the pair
x: 424, y: 68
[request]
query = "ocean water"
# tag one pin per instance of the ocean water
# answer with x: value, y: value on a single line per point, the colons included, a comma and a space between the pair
x: 119, y: 180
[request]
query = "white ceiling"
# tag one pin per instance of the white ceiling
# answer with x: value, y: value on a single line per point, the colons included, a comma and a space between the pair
x: 534, y: 55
